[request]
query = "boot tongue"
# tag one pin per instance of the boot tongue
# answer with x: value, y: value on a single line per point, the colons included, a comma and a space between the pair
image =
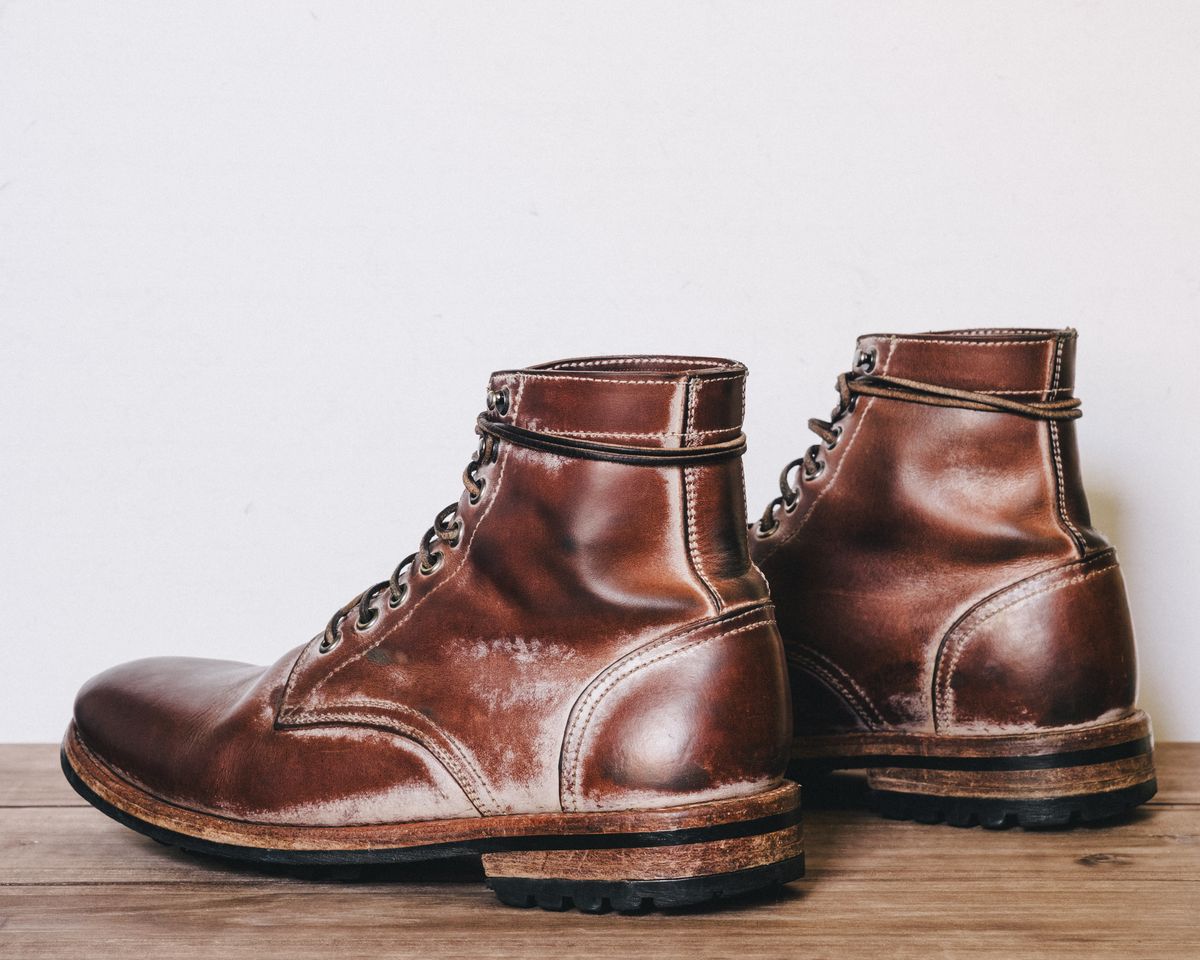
x: 636, y: 401
x: 1026, y: 364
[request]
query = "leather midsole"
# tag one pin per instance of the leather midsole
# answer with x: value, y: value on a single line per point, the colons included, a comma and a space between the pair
x: 1056, y: 782
x: 766, y: 812
x: 1036, y: 750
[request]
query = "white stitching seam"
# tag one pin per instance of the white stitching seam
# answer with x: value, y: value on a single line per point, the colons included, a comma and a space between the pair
x: 564, y: 431
x: 573, y: 753
x: 614, y: 361
x: 1002, y: 604
x: 997, y: 331
x: 1056, y: 451
x: 554, y: 378
x: 830, y: 671
x: 689, y: 487
x: 1044, y: 394
x: 971, y: 343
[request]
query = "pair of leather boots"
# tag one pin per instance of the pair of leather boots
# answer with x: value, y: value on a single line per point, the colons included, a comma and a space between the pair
x: 582, y: 676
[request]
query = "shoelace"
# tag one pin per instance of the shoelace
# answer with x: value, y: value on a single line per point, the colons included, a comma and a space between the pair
x: 856, y: 383
x: 446, y: 530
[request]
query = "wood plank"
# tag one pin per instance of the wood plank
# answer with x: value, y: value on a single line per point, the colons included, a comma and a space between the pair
x: 1099, y: 918
x: 1178, y: 772
x: 31, y: 777
x: 70, y: 845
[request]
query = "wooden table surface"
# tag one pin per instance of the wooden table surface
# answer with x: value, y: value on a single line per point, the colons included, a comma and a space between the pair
x: 75, y: 884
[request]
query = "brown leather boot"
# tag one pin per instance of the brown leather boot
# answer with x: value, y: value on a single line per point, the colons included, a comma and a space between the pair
x: 577, y: 675
x: 952, y: 621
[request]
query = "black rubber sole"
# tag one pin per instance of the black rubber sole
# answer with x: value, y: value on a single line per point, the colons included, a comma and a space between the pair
x: 996, y: 813
x: 589, y: 896
x: 639, y: 896
x: 834, y: 788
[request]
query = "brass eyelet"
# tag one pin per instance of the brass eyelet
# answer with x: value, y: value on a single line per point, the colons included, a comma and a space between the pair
x: 820, y: 469
x: 326, y: 644
x: 458, y: 532
x: 837, y: 435
x: 474, y: 498
x: 497, y: 400
x: 866, y: 360
x: 362, y: 625
x: 438, y: 559
x: 394, y: 601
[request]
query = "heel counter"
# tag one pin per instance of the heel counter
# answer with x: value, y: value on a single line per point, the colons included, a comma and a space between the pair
x: 700, y: 715
x: 1053, y: 650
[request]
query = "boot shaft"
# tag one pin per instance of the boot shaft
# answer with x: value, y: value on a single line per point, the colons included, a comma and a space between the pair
x: 1001, y: 469
x: 616, y: 524
x: 950, y: 494
x: 585, y: 629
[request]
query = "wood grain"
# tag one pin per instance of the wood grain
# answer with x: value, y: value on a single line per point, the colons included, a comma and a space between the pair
x: 30, y: 776
x: 74, y: 884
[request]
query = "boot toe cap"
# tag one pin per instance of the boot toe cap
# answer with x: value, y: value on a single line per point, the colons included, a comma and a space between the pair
x: 144, y: 718
x: 201, y: 734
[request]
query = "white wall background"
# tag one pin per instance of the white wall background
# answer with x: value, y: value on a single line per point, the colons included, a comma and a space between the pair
x: 256, y: 262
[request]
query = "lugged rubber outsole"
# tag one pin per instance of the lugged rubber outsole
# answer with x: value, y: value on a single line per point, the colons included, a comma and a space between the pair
x: 995, y: 813
x: 639, y: 896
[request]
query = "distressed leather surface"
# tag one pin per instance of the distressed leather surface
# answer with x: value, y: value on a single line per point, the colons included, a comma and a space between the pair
x: 458, y: 702
x: 924, y: 512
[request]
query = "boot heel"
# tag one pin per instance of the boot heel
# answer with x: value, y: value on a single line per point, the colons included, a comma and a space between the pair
x: 633, y: 871
x: 1065, y: 780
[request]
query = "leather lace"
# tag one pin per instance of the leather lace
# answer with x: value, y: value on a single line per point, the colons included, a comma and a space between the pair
x: 446, y: 532
x: 852, y: 385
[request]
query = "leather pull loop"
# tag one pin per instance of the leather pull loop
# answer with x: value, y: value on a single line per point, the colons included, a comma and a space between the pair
x: 613, y: 452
